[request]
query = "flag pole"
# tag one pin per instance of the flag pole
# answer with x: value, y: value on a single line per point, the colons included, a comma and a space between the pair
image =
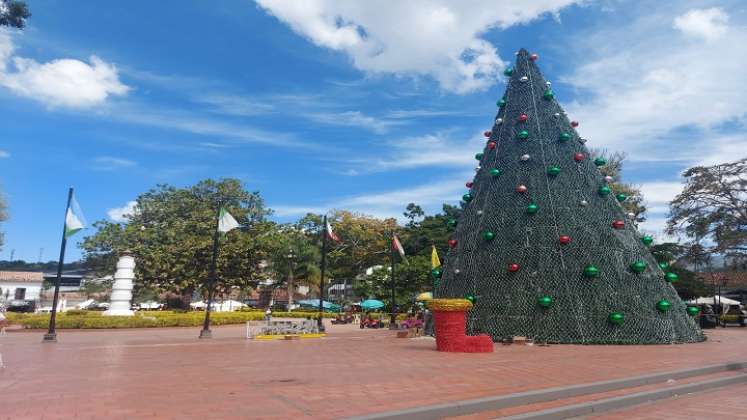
x: 393, y: 316
x: 51, y: 335
x: 320, y: 324
x: 206, y: 333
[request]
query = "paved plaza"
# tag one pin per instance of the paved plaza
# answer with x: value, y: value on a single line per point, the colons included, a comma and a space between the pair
x: 169, y: 373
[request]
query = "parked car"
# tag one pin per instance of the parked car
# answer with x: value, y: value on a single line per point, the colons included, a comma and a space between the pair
x: 734, y: 315
x: 21, y: 306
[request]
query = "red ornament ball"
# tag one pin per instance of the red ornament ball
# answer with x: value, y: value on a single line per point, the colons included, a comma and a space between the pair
x: 487, y: 133
x: 491, y: 145
x: 564, y: 239
x: 452, y: 243
x: 578, y: 157
x: 468, y: 184
x: 574, y: 123
x: 523, y: 117
x: 521, y: 189
x: 618, y: 224
x: 534, y: 57
x: 513, y: 267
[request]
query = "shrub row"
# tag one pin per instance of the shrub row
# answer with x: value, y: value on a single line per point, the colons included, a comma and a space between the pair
x: 148, y: 319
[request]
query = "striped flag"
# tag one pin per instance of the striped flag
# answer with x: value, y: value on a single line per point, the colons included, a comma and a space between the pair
x: 74, y: 220
x: 330, y: 233
x: 226, y: 222
x: 398, y: 247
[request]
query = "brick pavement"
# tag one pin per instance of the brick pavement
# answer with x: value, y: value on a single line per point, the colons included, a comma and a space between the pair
x: 721, y: 403
x: 169, y: 373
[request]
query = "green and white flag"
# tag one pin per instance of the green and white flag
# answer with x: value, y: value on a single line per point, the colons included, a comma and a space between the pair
x: 74, y: 220
x: 226, y: 222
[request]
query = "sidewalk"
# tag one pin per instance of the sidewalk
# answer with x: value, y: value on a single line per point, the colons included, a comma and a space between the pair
x: 169, y: 373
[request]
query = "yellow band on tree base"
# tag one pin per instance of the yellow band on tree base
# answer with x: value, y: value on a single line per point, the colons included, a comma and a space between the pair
x: 450, y: 305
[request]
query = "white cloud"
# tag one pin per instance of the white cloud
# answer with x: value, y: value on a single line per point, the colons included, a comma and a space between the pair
x: 353, y: 119
x: 657, y: 95
x: 710, y: 24
x: 388, y: 203
x: 435, y: 38
x: 4, y: 154
x: 121, y: 214
x: 62, y: 82
x: 438, y: 149
x: 110, y: 163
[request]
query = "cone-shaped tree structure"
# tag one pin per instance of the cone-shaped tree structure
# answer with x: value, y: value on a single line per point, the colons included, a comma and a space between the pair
x: 543, y: 248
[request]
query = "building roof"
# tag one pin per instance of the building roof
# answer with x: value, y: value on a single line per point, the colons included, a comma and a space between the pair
x: 22, y: 276
x: 733, y: 279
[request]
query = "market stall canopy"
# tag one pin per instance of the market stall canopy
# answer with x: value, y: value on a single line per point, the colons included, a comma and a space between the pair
x: 372, y: 304
x: 314, y: 304
x: 714, y: 300
x: 424, y: 296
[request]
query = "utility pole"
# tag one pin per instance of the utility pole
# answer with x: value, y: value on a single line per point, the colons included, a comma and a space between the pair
x: 205, y: 332
x: 320, y: 324
x: 51, y: 335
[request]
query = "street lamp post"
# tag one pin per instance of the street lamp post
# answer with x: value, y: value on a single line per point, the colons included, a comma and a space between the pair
x: 290, y: 285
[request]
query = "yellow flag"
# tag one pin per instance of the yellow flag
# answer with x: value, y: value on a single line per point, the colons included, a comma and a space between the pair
x: 435, y: 261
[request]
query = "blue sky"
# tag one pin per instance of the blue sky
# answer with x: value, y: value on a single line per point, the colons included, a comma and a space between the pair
x: 358, y: 105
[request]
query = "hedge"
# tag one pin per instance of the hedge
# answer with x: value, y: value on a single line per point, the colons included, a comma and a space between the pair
x: 150, y: 319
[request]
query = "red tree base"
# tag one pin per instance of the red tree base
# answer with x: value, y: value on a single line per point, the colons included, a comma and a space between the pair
x: 450, y: 332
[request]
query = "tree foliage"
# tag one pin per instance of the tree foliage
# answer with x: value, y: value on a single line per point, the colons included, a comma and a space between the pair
x: 14, y: 13
x: 713, y: 207
x: 170, y: 234
x: 688, y: 286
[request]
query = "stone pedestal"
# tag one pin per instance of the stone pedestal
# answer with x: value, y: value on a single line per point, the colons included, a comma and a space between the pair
x: 122, y: 288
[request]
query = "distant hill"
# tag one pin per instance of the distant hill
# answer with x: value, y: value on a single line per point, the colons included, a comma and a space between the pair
x: 50, y: 266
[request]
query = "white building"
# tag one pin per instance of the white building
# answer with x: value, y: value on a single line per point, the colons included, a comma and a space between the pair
x: 20, y: 285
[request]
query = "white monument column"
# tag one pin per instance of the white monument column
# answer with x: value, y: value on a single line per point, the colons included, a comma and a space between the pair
x: 122, y: 288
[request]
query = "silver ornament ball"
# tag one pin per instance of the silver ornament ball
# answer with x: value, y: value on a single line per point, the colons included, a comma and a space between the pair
x: 584, y: 203
x: 524, y: 79
x: 479, y: 212
x: 608, y: 178
x: 498, y: 121
x: 524, y: 158
x: 581, y: 140
x: 457, y: 271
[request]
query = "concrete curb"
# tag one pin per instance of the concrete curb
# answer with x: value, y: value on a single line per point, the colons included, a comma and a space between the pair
x: 615, y: 403
x: 459, y: 408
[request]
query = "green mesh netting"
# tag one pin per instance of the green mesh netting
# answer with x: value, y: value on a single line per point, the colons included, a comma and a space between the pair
x: 568, y: 203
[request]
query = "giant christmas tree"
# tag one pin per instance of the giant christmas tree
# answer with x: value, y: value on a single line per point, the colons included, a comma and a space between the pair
x: 543, y: 247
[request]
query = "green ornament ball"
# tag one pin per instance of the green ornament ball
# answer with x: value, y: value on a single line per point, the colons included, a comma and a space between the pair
x: 495, y: 172
x: 638, y: 267
x: 621, y: 197
x: 600, y: 161
x: 604, y: 190
x: 553, y: 170
x: 523, y: 134
x: 545, y: 301
x: 671, y: 277
x: 564, y: 137
x: 532, y: 208
x: 616, y: 318
x: 452, y: 223
x: 548, y: 94
x: 479, y: 156
x: 647, y: 240
x: 509, y: 71
x: 488, y: 236
x: 692, y: 310
x: 663, y: 305
x: 501, y: 103
x: 663, y: 265
x: 436, y: 272
x: 591, y: 271
x: 467, y: 197
x: 471, y: 298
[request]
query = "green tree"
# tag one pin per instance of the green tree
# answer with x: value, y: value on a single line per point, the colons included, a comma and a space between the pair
x: 294, y: 259
x: 170, y: 234
x: 713, y: 208
x: 411, y: 278
x: 14, y: 13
